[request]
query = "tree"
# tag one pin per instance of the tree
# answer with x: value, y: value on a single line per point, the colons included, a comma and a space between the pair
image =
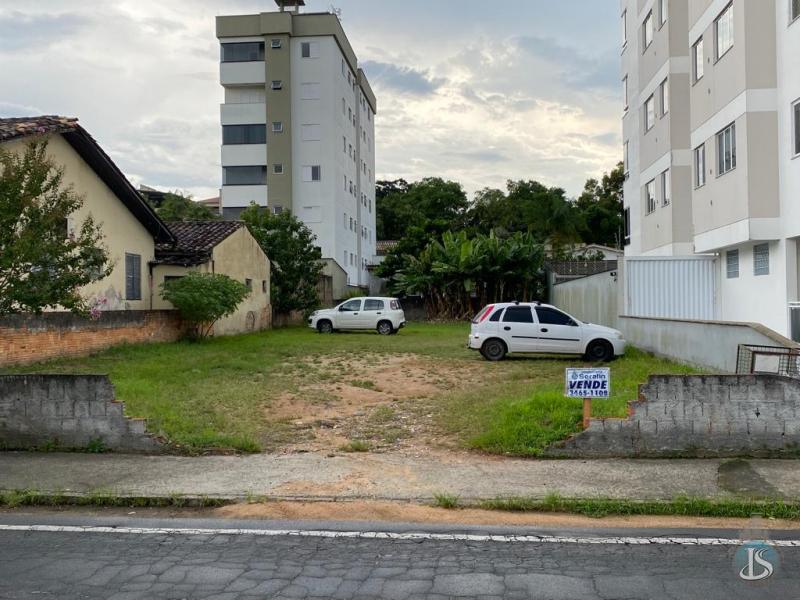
x: 204, y: 298
x: 601, y: 210
x: 296, y: 266
x: 44, y: 261
x: 177, y: 207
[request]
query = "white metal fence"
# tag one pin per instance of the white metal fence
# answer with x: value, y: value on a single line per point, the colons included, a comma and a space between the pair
x: 680, y: 287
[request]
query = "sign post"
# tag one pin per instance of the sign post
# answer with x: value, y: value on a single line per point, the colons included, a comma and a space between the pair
x: 588, y: 384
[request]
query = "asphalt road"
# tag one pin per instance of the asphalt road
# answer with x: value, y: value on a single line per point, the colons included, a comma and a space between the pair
x: 82, y: 557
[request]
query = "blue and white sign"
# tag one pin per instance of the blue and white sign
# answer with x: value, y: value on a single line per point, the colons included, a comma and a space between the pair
x: 588, y: 383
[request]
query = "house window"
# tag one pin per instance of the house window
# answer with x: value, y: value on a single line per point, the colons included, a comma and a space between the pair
x: 276, y: 43
x: 666, y: 188
x: 243, y: 52
x: 732, y: 263
x: 647, y: 30
x: 723, y: 30
x: 650, y: 196
x: 624, y: 28
x: 311, y: 132
x: 627, y: 225
x: 796, y: 112
x: 277, y: 169
x: 344, y: 217
x: 344, y: 144
x: 726, y: 149
x: 626, y: 150
x: 310, y: 91
x: 133, y: 277
x: 253, y: 175
x: 700, y: 166
x: 698, y: 59
x: 249, y: 284
x: 795, y: 10
x: 664, y: 97
x: 277, y: 84
x: 662, y: 12
x: 625, y: 91
x: 244, y: 134
x: 761, y: 259
x: 263, y: 286
x: 309, y: 49
x: 277, y: 127
x: 649, y: 113
x: 276, y: 210
x: 312, y: 173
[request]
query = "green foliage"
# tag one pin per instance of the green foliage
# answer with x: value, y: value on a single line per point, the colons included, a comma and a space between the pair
x: 450, y: 272
x: 179, y: 207
x: 448, y: 501
x: 600, y: 208
x: 295, y: 259
x: 355, y: 446
x: 42, y: 265
x: 204, y: 298
x: 96, y: 446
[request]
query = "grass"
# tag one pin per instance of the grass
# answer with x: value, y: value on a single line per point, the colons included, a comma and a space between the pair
x: 17, y: 498
x: 217, y: 394
x: 355, y: 446
x: 448, y: 501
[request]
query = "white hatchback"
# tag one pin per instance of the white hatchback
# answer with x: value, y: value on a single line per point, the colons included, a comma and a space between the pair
x: 512, y: 327
x: 385, y: 315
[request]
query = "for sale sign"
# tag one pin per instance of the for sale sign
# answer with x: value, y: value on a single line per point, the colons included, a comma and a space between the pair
x: 588, y: 383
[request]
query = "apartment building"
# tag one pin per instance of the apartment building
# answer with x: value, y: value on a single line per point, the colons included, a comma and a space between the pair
x: 298, y: 131
x: 711, y: 132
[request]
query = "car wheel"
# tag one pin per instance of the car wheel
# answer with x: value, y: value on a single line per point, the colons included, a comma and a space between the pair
x: 493, y: 350
x: 600, y: 351
x: 325, y: 326
x: 385, y: 328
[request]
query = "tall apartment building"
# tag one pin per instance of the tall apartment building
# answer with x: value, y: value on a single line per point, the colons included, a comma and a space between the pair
x: 711, y: 133
x: 298, y: 131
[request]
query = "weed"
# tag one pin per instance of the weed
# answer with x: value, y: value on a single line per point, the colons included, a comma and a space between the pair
x: 355, y: 446
x: 448, y: 501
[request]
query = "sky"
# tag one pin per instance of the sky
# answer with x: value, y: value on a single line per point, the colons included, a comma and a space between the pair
x: 476, y: 92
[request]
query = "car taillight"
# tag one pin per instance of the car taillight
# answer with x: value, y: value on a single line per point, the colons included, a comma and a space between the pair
x: 483, y: 315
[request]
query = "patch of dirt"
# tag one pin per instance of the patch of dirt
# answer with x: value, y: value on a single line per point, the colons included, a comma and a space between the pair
x: 380, y: 400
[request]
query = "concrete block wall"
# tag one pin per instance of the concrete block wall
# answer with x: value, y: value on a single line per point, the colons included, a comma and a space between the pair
x: 698, y: 415
x: 26, y: 339
x: 70, y: 412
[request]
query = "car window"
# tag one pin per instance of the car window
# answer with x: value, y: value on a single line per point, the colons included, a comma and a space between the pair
x: 518, y: 314
x: 496, y: 316
x: 351, y: 306
x: 551, y: 316
x: 395, y: 305
x: 373, y: 304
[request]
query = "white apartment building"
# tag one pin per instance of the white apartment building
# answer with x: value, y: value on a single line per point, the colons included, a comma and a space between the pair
x: 711, y: 133
x: 298, y: 131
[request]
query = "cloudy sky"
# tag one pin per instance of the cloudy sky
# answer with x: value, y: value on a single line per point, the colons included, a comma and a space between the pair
x: 475, y: 91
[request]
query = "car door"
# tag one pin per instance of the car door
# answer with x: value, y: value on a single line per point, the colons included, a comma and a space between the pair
x: 518, y: 329
x: 349, y: 314
x: 558, y: 332
x: 374, y: 311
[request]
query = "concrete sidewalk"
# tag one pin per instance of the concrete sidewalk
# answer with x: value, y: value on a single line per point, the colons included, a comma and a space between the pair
x: 390, y: 476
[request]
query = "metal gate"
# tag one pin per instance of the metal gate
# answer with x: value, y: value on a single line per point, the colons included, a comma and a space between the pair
x: 680, y: 287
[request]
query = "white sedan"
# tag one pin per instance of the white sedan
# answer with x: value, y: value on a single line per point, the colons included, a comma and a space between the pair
x: 384, y: 315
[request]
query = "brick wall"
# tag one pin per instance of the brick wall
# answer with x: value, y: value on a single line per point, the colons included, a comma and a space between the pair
x: 26, y: 339
x: 703, y: 415
x: 68, y: 411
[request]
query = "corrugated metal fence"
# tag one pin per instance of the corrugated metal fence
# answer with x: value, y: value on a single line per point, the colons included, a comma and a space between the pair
x: 670, y: 287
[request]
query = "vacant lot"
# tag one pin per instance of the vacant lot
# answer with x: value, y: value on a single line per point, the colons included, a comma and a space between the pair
x: 293, y: 390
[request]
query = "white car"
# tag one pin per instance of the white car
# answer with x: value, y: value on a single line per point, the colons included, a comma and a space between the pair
x: 512, y: 327
x: 382, y: 314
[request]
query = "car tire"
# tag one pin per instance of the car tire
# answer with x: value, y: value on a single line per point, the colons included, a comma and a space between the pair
x: 494, y: 350
x: 385, y: 328
x: 325, y: 326
x: 599, y: 351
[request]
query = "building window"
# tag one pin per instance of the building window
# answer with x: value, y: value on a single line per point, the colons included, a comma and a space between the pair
x: 647, y: 30
x: 277, y: 84
x: 627, y: 225
x: 795, y: 10
x: 666, y: 188
x: 311, y: 132
x: 625, y: 167
x: 664, y: 96
x: 309, y: 91
x: 723, y: 30
x: 796, y: 112
x: 244, y: 134
x: 252, y: 175
x: 625, y: 91
x: 726, y: 149
x: 263, y: 286
x: 277, y: 127
x: 312, y: 173
x: 761, y: 259
x: 309, y: 49
x: 662, y: 12
x: 732, y: 263
x: 700, y: 166
x: 698, y: 61
x: 243, y: 52
x: 624, y: 28
x: 277, y: 169
x: 248, y: 283
x: 649, y: 113
x: 277, y: 209
x: 650, y: 196
x: 276, y: 43
x: 133, y: 277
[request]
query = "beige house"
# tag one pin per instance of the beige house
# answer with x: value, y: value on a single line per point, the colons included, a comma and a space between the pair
x: 141, y: 246
x: 218, y: 247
